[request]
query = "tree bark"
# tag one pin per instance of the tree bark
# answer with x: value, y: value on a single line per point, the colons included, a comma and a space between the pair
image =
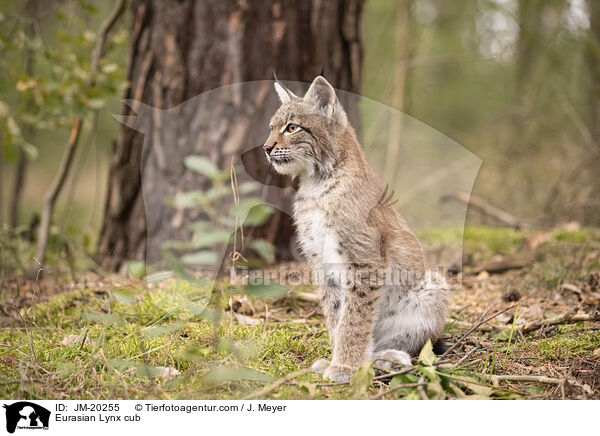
x: 181, y: 49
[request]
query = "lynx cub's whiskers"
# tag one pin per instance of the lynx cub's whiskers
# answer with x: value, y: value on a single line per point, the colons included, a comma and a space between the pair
x: 377, y: 298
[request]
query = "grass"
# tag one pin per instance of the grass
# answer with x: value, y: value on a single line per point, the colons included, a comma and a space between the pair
x: 126, y: 338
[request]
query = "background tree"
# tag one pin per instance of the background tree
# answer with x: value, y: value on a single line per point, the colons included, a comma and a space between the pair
x: 180, y: 49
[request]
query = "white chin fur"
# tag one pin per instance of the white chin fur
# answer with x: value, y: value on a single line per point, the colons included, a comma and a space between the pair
x: 289, y: 168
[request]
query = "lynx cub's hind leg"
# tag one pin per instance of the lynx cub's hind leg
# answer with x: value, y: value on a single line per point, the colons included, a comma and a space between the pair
x: 391, y: 356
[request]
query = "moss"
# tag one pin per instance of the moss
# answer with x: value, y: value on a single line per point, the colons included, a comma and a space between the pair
x: 579, y: 236
x: 567, y: 345
x: 129, y: 331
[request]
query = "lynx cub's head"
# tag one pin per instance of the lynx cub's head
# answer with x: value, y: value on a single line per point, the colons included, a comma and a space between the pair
x: 305, y: 131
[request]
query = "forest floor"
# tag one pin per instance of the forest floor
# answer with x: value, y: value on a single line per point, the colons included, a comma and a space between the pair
x: 84, y: 335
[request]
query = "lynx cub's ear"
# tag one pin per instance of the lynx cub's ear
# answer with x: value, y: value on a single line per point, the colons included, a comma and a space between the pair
x: 322, y: 96
x: 285, y: 95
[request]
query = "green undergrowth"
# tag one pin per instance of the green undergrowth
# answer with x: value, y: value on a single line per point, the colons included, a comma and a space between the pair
x: 167, y: 340
x: 568, y: 343
x: 163, y: 342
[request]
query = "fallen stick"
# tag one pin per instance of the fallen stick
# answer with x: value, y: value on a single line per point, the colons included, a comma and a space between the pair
x: 567, y: 318
x: 273, y: 387
x: 539, y: 379
x: 307, y: 296
x: 501, y: 267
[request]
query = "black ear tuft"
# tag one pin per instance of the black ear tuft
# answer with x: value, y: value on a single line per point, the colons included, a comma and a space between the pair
x: 322, y: 73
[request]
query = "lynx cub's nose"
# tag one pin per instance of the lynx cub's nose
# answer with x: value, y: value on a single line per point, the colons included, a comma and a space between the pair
x: 268, y: 147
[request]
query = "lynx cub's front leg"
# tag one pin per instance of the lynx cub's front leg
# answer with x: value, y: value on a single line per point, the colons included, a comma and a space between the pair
x: 353, y: 331
x: 331, y: 301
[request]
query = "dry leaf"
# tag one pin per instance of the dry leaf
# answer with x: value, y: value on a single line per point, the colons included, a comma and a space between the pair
x: 246, y: 320
x: 70, y: 340
x: 166, y: 372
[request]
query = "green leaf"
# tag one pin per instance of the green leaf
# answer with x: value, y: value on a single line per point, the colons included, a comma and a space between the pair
x: 264, y: 248
x: 361, y: 381
x: 251, y: 211
x: 247, y: 187
x: 4, y: 110
x: 427, y: 356
x: 125, y: 296
x: 13, y: 127
x: 179, y: 269
x: 309, y: 388
x: 203, y: 312
x: 30, y: 150
x: 110, y: 68
x: 435, y: 391
x: 157, y: 331
x: 136, y: 269
x: 264, y: 290
x: 456, y: 390
x: 202, y: 165
x: 204, y: 257
x: 189, y: 199
x: 207, y: 239
x: 96, y: 103
x: 223, y: 375
x: 429, y: 371
x: 472, y: 384
x: 102, y: 318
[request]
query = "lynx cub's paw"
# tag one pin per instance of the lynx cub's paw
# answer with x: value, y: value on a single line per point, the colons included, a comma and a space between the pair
x: 390, y: 356
x: 339, y: 374
x: 320, y: 366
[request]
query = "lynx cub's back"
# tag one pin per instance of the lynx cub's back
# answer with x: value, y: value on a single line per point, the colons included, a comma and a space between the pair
x: 377, y: 298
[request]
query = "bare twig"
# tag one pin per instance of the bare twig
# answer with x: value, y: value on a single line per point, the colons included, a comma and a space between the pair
x: 54, y: 191
x: 466, y: 356
x: 484, y: 208
x: 540, y: 379
x: 475, y: 327
x: 273, y: 387
x: 567, y: 318
x: 16, y: 382
x: 421, y: 389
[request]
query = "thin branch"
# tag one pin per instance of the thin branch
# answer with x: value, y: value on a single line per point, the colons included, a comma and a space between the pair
x: 540, y: 379
x: 475, y: 327
x: 421, y: 389
x: 57, y: 185
x: 485, y: 208
x: 103, y: 32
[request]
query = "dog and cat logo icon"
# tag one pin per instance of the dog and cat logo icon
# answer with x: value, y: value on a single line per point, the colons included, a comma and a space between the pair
x: 26, y: 415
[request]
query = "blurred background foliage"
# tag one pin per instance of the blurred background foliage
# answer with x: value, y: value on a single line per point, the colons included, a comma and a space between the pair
x: 511, y: 80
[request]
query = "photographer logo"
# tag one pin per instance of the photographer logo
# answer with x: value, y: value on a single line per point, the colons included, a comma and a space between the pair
x: 26, y: 415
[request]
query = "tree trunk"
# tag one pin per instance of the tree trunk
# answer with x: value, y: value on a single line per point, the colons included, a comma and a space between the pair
x: 180, y: 49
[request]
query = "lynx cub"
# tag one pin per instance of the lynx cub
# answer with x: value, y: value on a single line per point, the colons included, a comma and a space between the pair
x: 378, y: 301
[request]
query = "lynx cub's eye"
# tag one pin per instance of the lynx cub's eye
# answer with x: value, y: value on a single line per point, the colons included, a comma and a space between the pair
x: 292, y: 128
